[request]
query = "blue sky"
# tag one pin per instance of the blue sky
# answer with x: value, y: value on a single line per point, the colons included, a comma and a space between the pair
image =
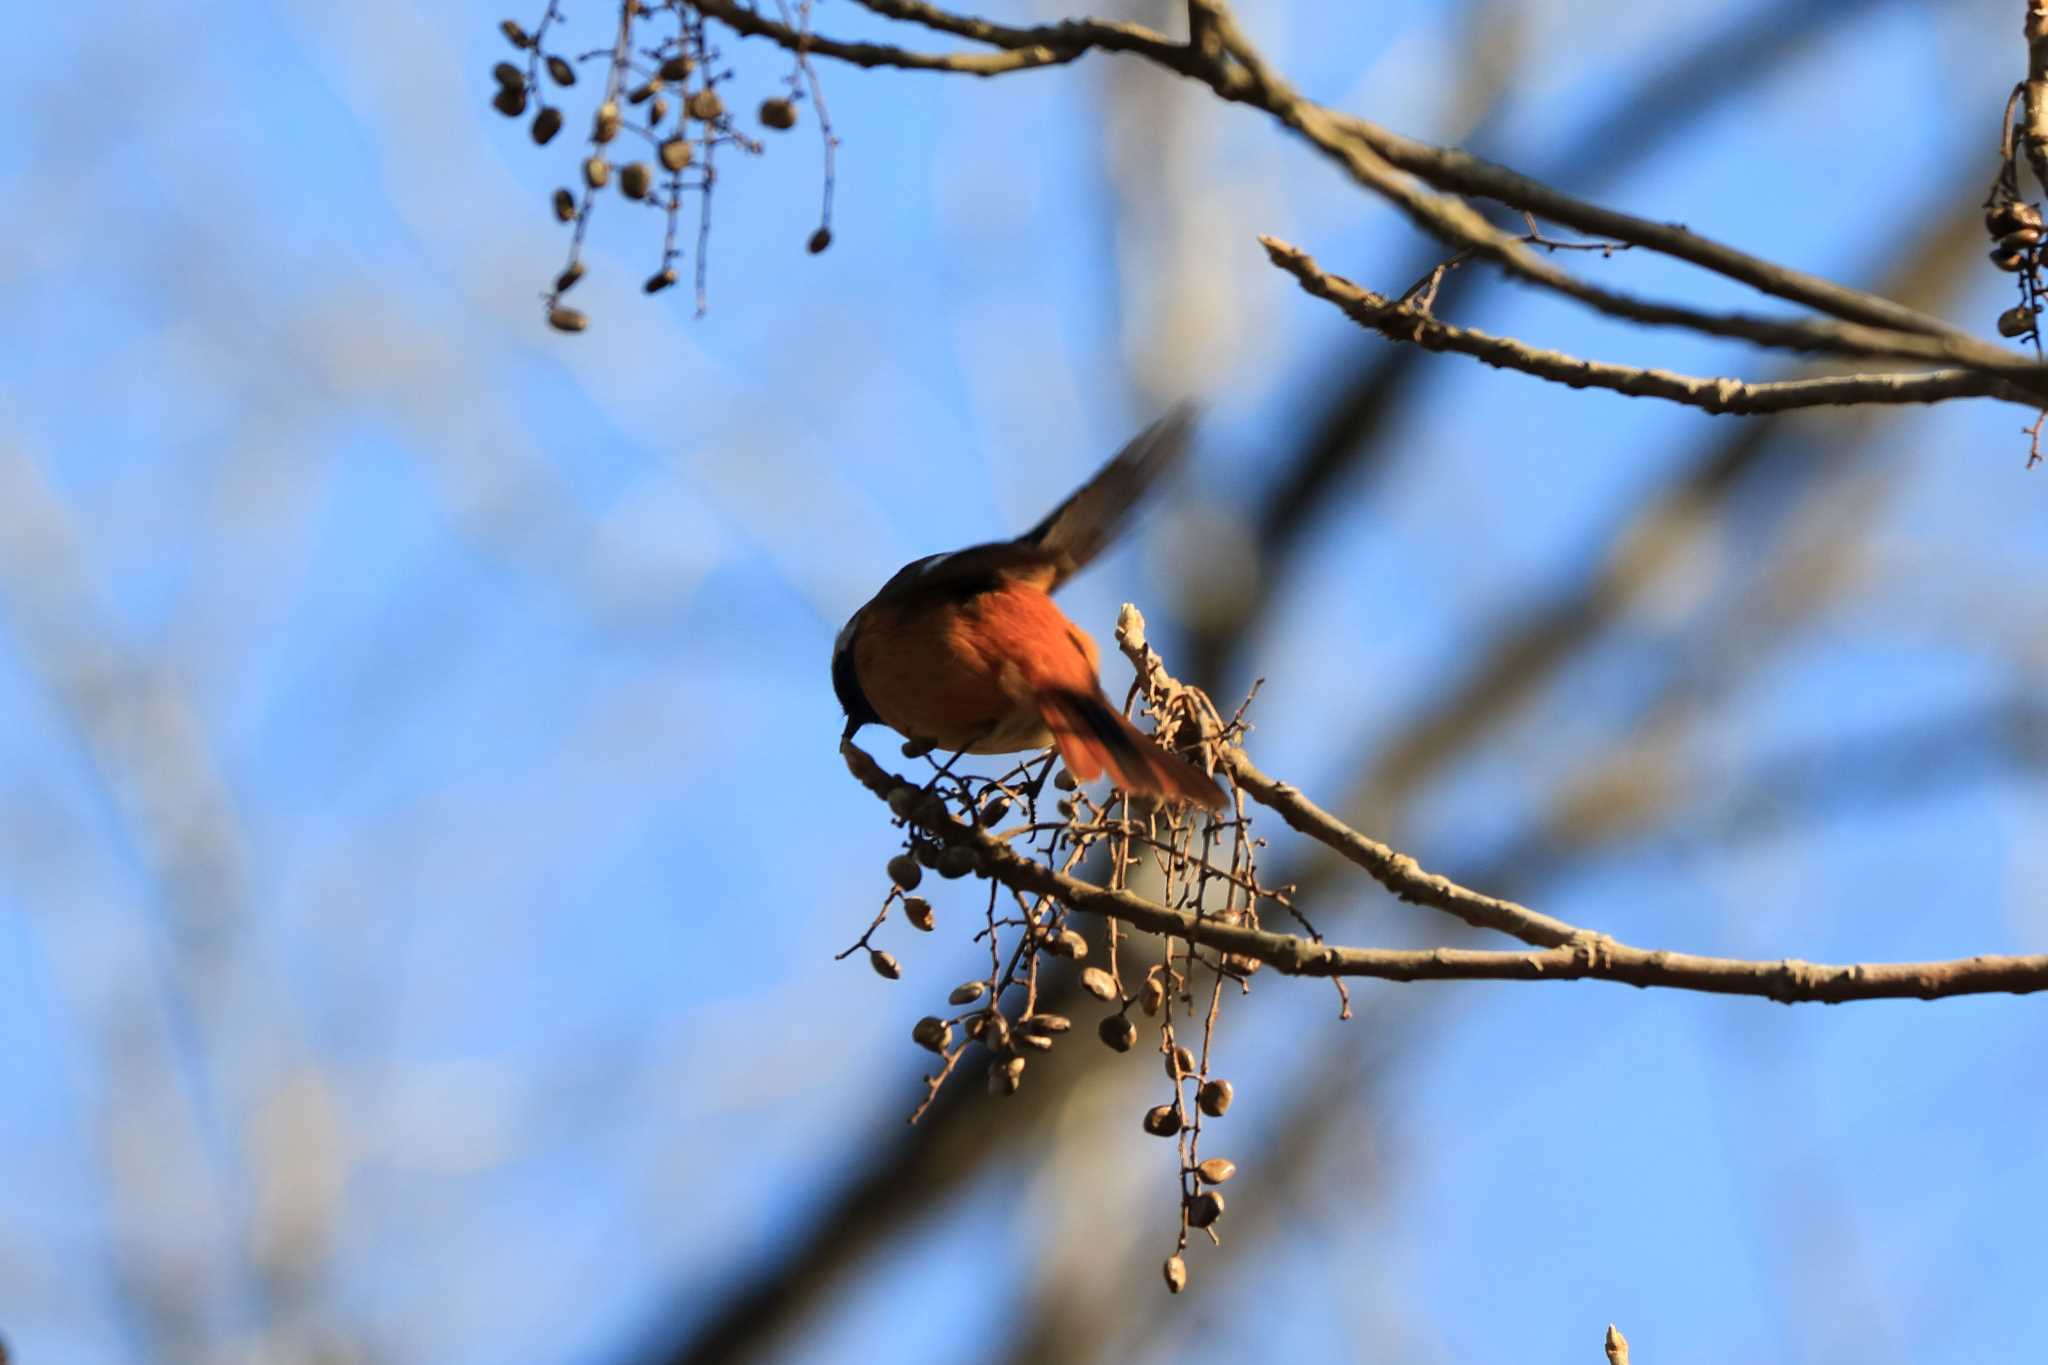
x: 422, y: 845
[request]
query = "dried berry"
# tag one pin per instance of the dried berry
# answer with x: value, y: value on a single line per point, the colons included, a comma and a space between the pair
x: 514, y: 34
x: 635, y: 179
x: 565, y: 205
x: 560, y: 69
x: 509, y: 101
x: 1216, y: 1170
x: 1098, y: 983
x: 918, y: 911
x: 956, y: 861
x: 1046, y: 1023
x: 2001, y: 219
x: 967, y: 992
x: 675, y: 68
x: 917, y: 748
x: 931, y: 1033
x: 1179, y: 1062
x: 1205, y: 1208
x: 645, y: 91
x: 676, y: 153
x: 1152, y: 995
x: 656, y: 112
x: 1006, y: 1077
x: 1068, y: 943
x: 597, y: 172
x: 567, y: 320
x: 704, y: 105
x: 604, y: 126
x: 659, y: 280
x: 994, y: 811
x: 569, y: 276
x: 1176, y: 1274
x: 778, y: 113
x: 1120, y: 1033
x: 904, y: 871
x: 2016, y: 321
x: 546, y: 124
x: 1214, y: 1097
x: 994, y: 1031
x: 885, y: 965
x: 1162, y: 1120
x: 2011, y: 262
x: 1064, y: 780
x: 1041, y: 1042
x: 903, y: 801
x: 509, y: 76
x: 820, y: 239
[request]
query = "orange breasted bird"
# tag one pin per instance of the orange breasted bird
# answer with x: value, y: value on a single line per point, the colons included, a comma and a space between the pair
x: 967, y: 650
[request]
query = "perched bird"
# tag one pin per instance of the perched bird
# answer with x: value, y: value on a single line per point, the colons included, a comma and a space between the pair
x: 967, y: 650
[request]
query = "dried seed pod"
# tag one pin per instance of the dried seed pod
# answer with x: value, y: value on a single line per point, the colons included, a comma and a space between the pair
x: 1179, y: 1062
x: 1205, y: 1208
x: 904, y: 871
x: 975, y: 1024
x: 675, y: 68
x: 565, y: 205
x: 604, y: 125
x: 918, y: 911
x: 917, y: 748
x: 1006, y: 1077
x: 1216, y: 1170
x: 2016, y: 321
x: 509, y: 76
x: 1176, y: 1274
x: 597, y: 172
x: 559, y: 68
x: 1152, y: 995
x: 1047, y: 1023
x: 546, y: 124
x: 635, y: 179
x: 967, y: 992
x: 1214, y: 1097
x: 509, y: 101
x: 1069, y: 943
x: 2026, y: 216
x: 659, y: 280
x: 2012, y: 262
x: 569, y: 276
x: 1098, y: 983
x: 1065, y: 807
x: 514, y: 34
x: 926, y: 854
x: 1162, y: 1120
x: 2019, y: 239
x: 1237, y: 964
x: 656, y: 112
x: 2000, y: 219
x: 645, y: 91
x: 1065, y: 780
x: 676, y: 153
x: 704, y: 105
x: 957, y: 860
x: 778, y: 114
x: 994, y: 811
x: 994, y: 1032
x: 820, y: 239
x: 1040, y: 1041
x: 567, y: 320
x: 932, y: 1033
x: 1118, y: 1032
x: 885, y: 964
x: 903, y: 801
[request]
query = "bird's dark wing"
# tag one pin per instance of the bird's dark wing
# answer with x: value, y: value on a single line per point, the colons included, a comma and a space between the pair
x: 1082, y: 526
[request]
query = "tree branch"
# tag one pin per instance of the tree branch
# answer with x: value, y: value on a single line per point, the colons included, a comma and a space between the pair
x: 1400, y: 322
x: 1585, y: 955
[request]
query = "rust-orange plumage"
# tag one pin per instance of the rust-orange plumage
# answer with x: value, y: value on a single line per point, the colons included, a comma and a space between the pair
x: 967, y: 649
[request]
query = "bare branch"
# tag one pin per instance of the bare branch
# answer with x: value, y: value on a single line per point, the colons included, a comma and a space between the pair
x: 1585, y: 955
x: 1403, y: 322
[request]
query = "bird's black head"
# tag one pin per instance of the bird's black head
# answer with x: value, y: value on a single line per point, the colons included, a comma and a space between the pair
x: 846, y: 681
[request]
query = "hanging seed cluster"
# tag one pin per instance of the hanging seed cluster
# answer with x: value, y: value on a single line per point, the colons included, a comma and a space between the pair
x: 652, y: 109
x: 1161, y: 996
x: 2016, y: 231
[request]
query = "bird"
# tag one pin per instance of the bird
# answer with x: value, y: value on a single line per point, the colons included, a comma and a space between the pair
x: 966, y: 650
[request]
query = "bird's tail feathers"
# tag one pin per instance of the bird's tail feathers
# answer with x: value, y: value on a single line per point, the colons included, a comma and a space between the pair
x: 1094, y: 738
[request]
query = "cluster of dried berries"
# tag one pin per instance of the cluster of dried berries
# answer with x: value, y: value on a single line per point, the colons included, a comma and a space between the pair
x: 663, y: 95
x: 2017, y: 229
x: 954, y: 827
